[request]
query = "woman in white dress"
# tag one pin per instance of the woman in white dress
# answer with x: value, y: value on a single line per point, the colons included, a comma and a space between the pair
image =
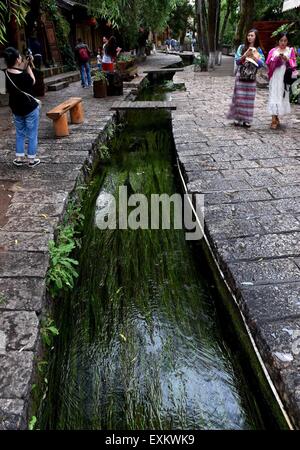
x: 279, y: 59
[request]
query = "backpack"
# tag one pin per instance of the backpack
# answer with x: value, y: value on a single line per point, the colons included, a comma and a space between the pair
x: 83, y: 54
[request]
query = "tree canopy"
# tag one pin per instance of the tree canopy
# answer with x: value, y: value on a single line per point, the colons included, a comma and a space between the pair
x: 9, y: 9
x: 153, y: 14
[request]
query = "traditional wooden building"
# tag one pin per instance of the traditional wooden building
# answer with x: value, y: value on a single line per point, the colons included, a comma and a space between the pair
x: 266, y: 29
x: 41, y: 28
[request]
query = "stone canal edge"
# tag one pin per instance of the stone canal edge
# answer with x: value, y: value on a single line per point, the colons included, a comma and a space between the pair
x: 251, y: 185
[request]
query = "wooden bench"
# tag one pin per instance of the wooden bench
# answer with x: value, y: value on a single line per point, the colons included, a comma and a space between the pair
x: 59, y: 115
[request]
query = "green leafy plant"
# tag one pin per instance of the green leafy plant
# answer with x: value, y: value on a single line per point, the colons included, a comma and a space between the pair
x: 62, y: 271
x: 295, y: 92
x: 9, y: 9
x: 285, y: 28
x: 104, y: 151
x: 48, y: 331
x: 100, y: 76
x: 201, y: 61
x: 32, y: 423
x: 125, y: 58
x: 62, y: 30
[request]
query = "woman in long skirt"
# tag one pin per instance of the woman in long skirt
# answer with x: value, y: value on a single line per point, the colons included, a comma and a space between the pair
x: 242, y: 106
x: 279, y: 59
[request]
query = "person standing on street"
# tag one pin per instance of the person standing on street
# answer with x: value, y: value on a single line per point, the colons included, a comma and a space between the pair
x: 249, y: 57
x: 279, y: 60
x: 83, y: 55
x: 24, y: 106
x: 193, y: 44
x: 99, y: 59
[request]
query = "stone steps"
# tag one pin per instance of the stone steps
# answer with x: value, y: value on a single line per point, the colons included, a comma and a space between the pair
x: 51, y: 71
x: 58, y: 86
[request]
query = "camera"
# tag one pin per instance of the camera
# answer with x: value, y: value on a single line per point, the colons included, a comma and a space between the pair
x: 28, y: 54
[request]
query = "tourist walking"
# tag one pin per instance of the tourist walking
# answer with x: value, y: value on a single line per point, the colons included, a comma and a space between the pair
x: 279, y: 61
x: 24, y: 106
x: 83, y: 55
x: 249, y: 57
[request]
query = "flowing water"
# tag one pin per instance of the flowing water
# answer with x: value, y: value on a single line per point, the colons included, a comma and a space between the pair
x: 140, y: 344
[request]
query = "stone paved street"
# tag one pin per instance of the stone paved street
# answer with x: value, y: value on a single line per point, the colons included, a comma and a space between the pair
x: 251, y: 182
x: 32, y: 203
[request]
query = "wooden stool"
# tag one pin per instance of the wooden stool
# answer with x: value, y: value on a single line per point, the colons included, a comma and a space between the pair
x: 59, y: 115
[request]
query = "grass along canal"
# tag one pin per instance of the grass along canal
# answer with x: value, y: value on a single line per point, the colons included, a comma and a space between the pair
x: 142, y: 341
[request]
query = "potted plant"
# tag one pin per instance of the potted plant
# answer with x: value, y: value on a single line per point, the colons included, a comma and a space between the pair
x: 100, y: 85
x: 123, y: 62
x: 201, y: 63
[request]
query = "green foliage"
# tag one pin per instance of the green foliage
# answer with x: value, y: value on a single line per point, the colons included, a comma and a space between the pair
x: 201, y: 60
x: 62, y: 271
x: 48, y: 332
x: 62, y: 30
x: 179, y: 19
x: 9, y: 9
x: 285, y: 28
x: 230, y: 28
x: 270, y: 10
x: 32, y: 423
x: 125, y: 58
x: 295, y: 89
x: 129, y: 15
x: 100, y: 76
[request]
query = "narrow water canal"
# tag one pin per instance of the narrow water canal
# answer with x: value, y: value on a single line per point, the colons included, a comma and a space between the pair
x: 140, y: 344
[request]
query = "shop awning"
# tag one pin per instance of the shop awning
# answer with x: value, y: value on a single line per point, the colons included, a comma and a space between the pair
x: 290, y: 4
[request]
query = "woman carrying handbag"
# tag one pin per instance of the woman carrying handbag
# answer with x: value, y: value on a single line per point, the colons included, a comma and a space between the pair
x: 249, y: 58
x: 25, y: 107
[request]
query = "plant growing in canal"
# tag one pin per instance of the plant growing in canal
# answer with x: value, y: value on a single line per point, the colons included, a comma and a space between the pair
x: 62, y: 271
x: 3, y: 300
x: 32, y: 423
x: 48, y: 331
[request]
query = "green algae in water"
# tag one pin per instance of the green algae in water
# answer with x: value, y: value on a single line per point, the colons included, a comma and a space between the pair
x: 139, y: 344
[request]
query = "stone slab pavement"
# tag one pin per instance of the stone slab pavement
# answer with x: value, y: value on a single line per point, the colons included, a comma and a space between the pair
x: 32, y: 204
x: 251, y: 182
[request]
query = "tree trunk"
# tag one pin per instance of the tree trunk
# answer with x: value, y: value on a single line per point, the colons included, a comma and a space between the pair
x: 246, y: 20
x: 218, y: 58
x: 213, y: 14
x: 201, y: 8
x: 198, y: 25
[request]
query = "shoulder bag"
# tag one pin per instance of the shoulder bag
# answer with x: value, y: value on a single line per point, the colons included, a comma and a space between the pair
x: 38, y: 101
